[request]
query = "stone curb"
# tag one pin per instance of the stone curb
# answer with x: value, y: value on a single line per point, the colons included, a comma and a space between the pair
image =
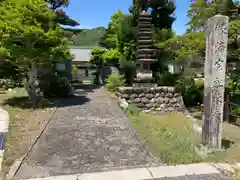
x: 146, y: 173
x: 4, y: 121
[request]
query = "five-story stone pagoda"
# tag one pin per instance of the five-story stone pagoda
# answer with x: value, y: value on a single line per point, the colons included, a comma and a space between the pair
x: 145, y: 51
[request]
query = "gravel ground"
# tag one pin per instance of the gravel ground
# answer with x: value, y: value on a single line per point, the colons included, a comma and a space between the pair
x: 195, y: 177
x: 88, y: 133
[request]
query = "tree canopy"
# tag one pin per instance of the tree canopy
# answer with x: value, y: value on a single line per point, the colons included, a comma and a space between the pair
x: 29, y: 34
x: 193, y: 42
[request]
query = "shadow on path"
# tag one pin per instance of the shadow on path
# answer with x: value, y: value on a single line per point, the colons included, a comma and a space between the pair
x: 78, y: 98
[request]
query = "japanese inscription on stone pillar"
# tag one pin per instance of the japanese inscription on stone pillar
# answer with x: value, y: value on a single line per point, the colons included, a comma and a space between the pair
x: 215, y: 72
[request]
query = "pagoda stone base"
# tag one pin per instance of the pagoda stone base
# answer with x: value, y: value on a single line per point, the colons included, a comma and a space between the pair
x: 161, y: 99
x: 144, y: 75
x: 144, y: 80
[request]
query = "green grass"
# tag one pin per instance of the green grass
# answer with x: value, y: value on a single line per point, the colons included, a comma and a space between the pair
x: 169, y: 136
x: 231, y: 140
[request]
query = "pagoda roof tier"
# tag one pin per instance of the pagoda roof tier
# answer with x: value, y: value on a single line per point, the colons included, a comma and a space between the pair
x: 146, y: 46
x: 143, y: 33
x: 145, y: 37
x: 145, y: 54
x: 150, y: 52
x: 143, y: 25
x: 144, y: 29
x: 145, y: 19
x: 150, y: 41
x: 146, y: 57
x: 146, y: 50
x: 146, y: 60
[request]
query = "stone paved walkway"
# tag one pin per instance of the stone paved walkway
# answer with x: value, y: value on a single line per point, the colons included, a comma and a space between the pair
x: 88, y: 133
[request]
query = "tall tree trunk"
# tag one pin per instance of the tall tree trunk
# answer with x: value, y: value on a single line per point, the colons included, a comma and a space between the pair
x: 33, y: 87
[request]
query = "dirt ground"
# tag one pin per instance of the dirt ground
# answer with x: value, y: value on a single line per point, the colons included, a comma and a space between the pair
x: 25, y: 124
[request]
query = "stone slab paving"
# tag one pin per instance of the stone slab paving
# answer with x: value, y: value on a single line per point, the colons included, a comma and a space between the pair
x: 195, y: 177
x: 202, y: 171
x: 88, y: 133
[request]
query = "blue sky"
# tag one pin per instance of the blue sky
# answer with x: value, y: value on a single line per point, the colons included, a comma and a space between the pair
x: 93, y: 13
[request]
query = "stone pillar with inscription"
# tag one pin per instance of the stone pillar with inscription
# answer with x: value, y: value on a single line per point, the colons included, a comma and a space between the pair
x: 215, y: 75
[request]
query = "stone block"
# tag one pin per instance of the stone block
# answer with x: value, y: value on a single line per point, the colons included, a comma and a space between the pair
x: 126, y: 96
x: 153, y: 100
x: 173, y: 100
x: 166, y: 100
x: 133, y: 96
x: 176, y: 95
x: 140, y: 105
x: 171, y: 89
x: 169, y: 95
x: 162, y: 94
x: 149, y: 96
x: 162, y: 106
x: 160, y: 100
x: 137, y: 100
x: 159, y: 109
x: 149, y: 106
x: 144, y: 100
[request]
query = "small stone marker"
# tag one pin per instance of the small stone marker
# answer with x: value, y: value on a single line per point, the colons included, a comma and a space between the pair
x: 214, y: 85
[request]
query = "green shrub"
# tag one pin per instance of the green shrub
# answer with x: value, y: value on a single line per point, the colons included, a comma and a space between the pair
x: 111, y: 56
x: 9, y: 83
x: 167, y: 79
x: 169, y: 136
x: 133, y: 110
x: 74, y: 69
x: 192, y: 96
x: 56, y: 86
x: 233, y: 83
x: 199, y: 82
x: 114, y: 81
x: 77, y: 81
x: 236, y: 111
x: 128, y: 68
